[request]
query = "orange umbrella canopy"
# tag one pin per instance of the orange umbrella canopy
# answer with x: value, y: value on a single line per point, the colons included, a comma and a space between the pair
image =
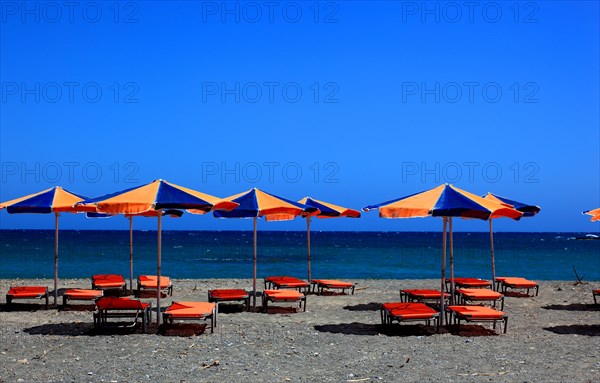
x: 444, y: 201
x: 157, y: 195
x: 54, y: 200
x: 594, y: 213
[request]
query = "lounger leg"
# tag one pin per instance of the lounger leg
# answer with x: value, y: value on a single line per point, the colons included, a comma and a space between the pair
x: 64, y: 302
x: 595, y: 302
x: 505, y: 324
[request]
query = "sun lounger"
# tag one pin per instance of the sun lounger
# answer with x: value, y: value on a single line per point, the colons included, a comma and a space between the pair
x: 108, y: 282
x: 150, y: 283
x: 480, y: 295
x: 81, y: 295
x: 287, y: 283
x: 191, y: 311
x: 276, y: 296
x: 408, y: 312
x: 27, y: 292
x: 229, y: 295
x: 505, y: 283
x: 596, y: 293
x: 477, y: 314
x: 113, y: 307
x: 319, y: 285
x: 469, y: 283
x: 422, y: 295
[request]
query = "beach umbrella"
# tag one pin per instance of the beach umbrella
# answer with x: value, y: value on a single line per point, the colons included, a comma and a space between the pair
x: 527, y: 210
x: 445, y: 201
x: 594, y: 213
x: 54, y: 200
x: 256, y: 203
x: 155, y: 198
x: 325, y: 210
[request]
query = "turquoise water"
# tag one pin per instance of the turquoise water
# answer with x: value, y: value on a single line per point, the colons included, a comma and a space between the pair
x: 228, y: 254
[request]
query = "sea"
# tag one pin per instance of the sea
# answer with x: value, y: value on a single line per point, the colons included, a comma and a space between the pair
x: 340, y: 255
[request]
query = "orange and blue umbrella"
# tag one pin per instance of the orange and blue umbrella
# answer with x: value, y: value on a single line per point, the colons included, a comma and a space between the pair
x: 54, y: 200
x: 326, y: 210
x: 256, y: 203
x: 595, y: 213
x: 444, y: 201
x: 526, y: 209
x: 156, y: 197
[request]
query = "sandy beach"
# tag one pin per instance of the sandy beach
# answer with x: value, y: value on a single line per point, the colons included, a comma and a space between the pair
x: 551, y: 338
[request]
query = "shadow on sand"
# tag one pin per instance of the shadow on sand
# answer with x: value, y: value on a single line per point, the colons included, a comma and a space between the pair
x: 577, y: 329
x: 373, y: 306
x: 573, y: 307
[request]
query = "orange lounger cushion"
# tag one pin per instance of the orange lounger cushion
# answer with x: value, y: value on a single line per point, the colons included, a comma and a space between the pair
x: 114, y: 303
x: 470, y: 282
x: 27, y: 292
x: 105, y: 281
x: 83, y: 294
x: 283, y: 295
x: 477, y: 312
x: 422, y: 294
x: 228, y: 294
x: 483, y: 294
x: 151, y: 281
x: 333, y: 283
x: 410, y: 310
x: 190, y: 309
x: 518, y: 282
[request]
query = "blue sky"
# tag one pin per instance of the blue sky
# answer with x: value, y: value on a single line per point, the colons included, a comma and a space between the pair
x: 349, y: 102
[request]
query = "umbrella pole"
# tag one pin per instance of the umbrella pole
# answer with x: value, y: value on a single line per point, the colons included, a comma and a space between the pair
x: 55, y: 258
x: 130, y: 253
x: 254, y: 273
x: 443, y: 284
x: 158, y: 261
x: 493, y: 261
x: 451, y: 262
x: 308, y: 244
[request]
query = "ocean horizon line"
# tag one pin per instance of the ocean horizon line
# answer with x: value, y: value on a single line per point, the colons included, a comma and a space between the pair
x: 312, y: 231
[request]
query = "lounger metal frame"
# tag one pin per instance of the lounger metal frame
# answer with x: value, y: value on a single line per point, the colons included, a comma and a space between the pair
x: 10, y: 298
x: 464, y: 299
x: 319, y: 287
x: 467, y: 318
x: 274, y: 285
x: 120, y: 289
x: 387, y: 318
x: 67, y: 297
x: 140, y: 288
x: 101, y: 317
x: 501, y: 285
x: 266, y: 299
x: 168, y: 319
x: 596, y: 293
x: 407, y: 296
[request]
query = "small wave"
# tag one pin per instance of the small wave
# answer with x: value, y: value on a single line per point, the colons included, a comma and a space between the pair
x: 181, y: 247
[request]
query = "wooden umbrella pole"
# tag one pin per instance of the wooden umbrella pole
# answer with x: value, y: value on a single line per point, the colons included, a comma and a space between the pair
x: 254, y: 272
x: 55, y: 258
x: 493, y: 257
x: 130, y: 253
x: 451, y: 262
x: 443, y: 284
x: 158, y: 262
x: 308, y: 244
